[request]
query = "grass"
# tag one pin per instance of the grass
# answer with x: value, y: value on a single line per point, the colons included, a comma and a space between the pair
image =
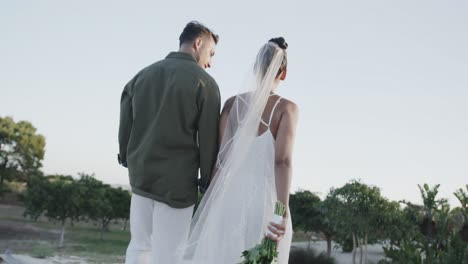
x: 42, y: 250
x: 81, y: 240
x: 87, y: 239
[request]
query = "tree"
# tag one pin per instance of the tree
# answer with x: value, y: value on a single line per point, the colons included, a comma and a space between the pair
x: 121, y: 204
x: 57, y: 197
x: 103, y: 203
x: 430, y: 232
x: 431, y: 205
x: 404, y: 235
x: 305, y: 211
x: 357, y: 210
x: 21, y: 149
x: 91, y: 188
x: 36, y: 197
x: 329, y: 221
x: 462, y: 196
x: 96, y: 207
x: 310, y: 214
x: 116, y: 206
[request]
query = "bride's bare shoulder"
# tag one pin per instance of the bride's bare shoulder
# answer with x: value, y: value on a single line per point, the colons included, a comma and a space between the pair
x: 228, y: 104
x: 289, y: 107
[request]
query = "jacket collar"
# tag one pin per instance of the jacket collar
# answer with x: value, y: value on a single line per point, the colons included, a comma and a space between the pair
x: 181, y: 55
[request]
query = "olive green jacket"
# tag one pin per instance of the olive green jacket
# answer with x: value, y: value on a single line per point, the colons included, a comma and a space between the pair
x: 169, y: 115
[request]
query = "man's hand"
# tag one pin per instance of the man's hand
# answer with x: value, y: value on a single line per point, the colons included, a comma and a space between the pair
x: 278, y: 231
x: 121, y: 162
x: 201, y: 187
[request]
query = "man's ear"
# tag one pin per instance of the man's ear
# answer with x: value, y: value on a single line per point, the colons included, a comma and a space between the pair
x: 283, y: 75
x: 197, y: 43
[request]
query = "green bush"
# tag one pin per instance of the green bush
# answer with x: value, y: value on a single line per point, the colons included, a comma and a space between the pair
x: 347, y: 245
x: 407, y: 252
x: 4, y: 189
x: 437, y: 238
x: 42, y: 251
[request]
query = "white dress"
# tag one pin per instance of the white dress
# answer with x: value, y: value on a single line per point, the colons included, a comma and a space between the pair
x: 234, y: 224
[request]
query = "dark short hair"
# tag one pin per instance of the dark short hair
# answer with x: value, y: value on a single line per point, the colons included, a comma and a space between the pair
x: 194, y: 30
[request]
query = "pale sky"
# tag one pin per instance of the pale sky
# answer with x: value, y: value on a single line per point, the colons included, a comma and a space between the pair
x: 382, y: 86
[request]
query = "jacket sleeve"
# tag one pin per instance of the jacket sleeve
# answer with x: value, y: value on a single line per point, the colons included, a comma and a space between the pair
x: 209, y: 104
x: 126, y: 121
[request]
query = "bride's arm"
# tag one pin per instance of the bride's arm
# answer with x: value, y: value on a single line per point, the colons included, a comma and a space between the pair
x: 283, y: 151
x: 283, y: 159
x: 222, y: 126
x: 224, y: 117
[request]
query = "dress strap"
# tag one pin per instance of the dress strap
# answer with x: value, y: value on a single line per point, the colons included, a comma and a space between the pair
x: 273, y: 111
x: 271, y: 115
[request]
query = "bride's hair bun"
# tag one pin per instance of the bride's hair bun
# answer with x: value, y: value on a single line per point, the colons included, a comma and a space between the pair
x: 267, y: 53
x: 280, y: 41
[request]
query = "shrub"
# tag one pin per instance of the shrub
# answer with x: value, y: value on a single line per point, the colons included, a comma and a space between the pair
x: 304, y: 256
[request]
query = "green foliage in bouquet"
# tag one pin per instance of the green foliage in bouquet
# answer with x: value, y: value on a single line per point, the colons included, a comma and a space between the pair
x: 265, y: 252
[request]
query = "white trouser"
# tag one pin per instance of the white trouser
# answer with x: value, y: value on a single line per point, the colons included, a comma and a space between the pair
x: 157, y: 230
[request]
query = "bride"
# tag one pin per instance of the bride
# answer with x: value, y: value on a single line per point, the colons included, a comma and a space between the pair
x: 253, y: 170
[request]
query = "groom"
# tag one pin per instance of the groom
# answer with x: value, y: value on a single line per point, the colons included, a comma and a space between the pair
x: 168, y: 130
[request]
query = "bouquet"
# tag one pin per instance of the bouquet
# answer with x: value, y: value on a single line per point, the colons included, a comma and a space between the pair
x: 265, y: 252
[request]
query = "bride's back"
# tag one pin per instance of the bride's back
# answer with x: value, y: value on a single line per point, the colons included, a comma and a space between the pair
x: 275, y: 107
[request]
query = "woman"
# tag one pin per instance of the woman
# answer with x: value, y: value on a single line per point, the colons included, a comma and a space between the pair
x: 253, y: 172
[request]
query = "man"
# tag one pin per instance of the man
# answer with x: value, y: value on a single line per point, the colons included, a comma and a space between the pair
x: 168, y: 130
